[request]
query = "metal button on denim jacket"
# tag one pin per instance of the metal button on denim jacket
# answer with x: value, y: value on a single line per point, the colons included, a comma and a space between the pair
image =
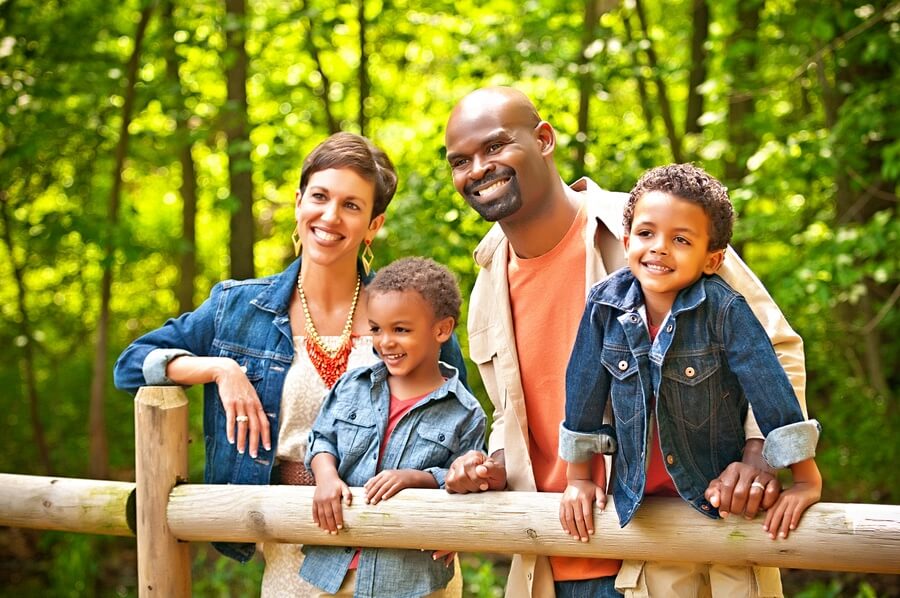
x: 710, y: 358
x: 245, y: 320
x: 441, y: 427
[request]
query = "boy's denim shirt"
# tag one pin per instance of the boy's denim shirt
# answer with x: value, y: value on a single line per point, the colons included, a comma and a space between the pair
x: 351, y: 425
x: 246, y: 320
x: 710, y: 358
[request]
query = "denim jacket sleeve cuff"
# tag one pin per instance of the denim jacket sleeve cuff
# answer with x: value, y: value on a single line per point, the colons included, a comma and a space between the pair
x: 791, y: 444
x: 155, y: 363
x: 576, y: 447
x: 439, y: 474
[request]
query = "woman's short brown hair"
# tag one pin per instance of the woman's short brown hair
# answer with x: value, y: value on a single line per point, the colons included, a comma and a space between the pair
x: 348, y: 150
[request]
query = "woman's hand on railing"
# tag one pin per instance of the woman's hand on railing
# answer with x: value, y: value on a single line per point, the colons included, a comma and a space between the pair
x: 244, y: 414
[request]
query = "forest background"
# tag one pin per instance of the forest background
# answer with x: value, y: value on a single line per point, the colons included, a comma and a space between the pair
x: 151, y: 148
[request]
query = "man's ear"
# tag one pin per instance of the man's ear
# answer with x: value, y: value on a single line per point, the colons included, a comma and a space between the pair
x: 444, y: 328
x: 713, y: 261
x: 625, y: 240
x: 546, y: 137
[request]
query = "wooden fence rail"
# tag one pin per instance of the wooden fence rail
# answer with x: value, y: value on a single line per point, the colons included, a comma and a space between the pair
x: 167, y: 513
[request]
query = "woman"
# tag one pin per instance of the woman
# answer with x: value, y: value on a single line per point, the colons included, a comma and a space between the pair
x: 267, y: 350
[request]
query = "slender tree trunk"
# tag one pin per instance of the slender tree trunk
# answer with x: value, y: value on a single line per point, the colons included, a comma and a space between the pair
x: 585, y: 83
x: 98, y: 452
x: 28, y: 365
x: 363, y: 69
x: 646, y: 107
x: 741, y: 63
x: 322, y: 92
x: 697, y: 74
x: 665, y: 107
x: 236, y: 130
x: 188, y: 251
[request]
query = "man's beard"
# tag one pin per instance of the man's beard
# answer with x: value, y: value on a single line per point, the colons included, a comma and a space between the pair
x: 501, y: 207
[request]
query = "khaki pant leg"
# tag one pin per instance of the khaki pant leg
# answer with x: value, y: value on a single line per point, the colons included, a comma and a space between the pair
x: 748, y: 582
x: 652, y: 579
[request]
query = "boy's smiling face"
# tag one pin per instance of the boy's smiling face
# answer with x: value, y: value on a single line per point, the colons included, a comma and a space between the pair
x: 667, y: 247
x: 406, y: 334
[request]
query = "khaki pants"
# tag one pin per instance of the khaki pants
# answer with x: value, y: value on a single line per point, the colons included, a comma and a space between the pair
x: 453, y: 589
x: 645, y: 579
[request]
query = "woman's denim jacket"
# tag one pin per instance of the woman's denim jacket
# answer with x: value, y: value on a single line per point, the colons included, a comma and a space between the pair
x: 246, y: 320
x: 351, y: 425
x: 710, y: 358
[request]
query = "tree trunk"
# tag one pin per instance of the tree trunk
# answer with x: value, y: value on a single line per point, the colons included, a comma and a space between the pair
x: 638, y: 77
x: 665, y: 107
x: 741, y: 63
x: 363, y: 68
x: 322, y: 91
x: 98, y: 451
x: 585, y: 84
x: 698, y: 67
x: 188, y: 250
x: 236, y: 130
x: 28, y: 366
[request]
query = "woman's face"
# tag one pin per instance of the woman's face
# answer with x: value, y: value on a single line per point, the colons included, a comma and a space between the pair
x: 334, y: 215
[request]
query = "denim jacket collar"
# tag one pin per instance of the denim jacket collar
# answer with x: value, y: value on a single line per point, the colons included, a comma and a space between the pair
x: 452, y: 384
x: 623, y: 292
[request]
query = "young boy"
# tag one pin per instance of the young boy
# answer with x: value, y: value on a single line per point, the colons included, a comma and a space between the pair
x: 679, y: 354
x: 397, y: 424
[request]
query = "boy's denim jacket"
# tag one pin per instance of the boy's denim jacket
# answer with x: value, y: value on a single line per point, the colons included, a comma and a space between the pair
x: 351, y: 425
x: 710, y: 358
x: 246, y: 320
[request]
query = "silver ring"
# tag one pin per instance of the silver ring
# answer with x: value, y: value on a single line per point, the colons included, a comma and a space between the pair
x: 241, y: 419
x: 759, y: 485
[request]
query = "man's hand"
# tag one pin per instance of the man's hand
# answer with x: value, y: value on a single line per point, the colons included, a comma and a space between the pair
x: 476, y: 472
x: 745, y: 487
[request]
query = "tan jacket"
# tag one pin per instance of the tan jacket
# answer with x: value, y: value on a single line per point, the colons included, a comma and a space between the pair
x: 492, y: 347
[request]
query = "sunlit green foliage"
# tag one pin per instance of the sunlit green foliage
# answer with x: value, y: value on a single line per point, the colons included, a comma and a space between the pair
x: 816, y: 194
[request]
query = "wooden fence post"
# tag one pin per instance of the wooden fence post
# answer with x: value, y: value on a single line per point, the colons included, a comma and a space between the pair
x: 161, y: 439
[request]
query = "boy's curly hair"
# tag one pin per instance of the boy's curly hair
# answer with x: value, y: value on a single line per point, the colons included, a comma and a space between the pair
x: 690, y: 183
x: 433, y: 281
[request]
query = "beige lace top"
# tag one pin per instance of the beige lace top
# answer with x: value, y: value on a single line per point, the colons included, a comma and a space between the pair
x: 304, y: 392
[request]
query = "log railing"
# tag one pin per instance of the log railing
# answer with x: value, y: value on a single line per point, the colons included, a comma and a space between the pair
x: 832, y: 536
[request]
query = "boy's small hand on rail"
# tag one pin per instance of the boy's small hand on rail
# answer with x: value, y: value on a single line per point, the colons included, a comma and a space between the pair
x: 576, y: 509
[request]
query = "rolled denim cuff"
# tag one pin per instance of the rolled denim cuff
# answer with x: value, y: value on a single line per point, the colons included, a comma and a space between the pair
x: 155, y: 363
x: 791, y: 444
x: 439, y: 474
x: 576, y: 447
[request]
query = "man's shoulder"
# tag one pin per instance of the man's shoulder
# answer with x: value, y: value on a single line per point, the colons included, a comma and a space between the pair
x: 600, y: 202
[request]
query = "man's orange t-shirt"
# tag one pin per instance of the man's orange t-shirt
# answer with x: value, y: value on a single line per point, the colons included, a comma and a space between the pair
x: 547, y: 296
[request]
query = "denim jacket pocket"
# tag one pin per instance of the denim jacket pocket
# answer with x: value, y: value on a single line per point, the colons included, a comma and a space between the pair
x: 433, y: 447
x: 625, y: 389
x: 693, y: 392
x: 355, y: 433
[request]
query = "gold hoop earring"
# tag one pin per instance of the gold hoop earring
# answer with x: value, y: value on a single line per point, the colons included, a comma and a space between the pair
x: 367, y: 257
x: 295, y: 239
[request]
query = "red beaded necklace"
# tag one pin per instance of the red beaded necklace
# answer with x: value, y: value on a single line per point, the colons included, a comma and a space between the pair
x: 330, y: 363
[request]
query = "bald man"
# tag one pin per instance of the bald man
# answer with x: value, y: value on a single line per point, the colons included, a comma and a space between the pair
x: 550, y: 244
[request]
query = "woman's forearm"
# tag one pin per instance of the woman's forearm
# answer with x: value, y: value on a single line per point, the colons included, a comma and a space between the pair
x: 191, y: 369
